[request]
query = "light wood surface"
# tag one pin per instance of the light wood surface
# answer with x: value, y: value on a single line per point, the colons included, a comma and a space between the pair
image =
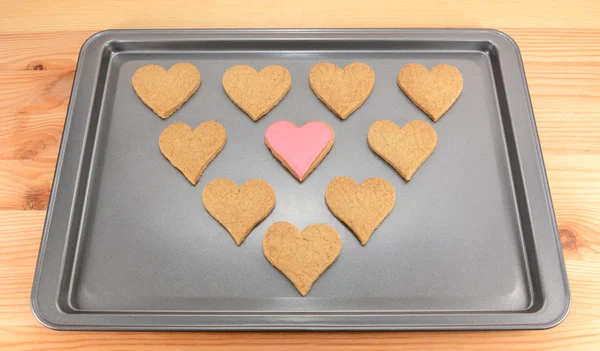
x: 39, y: 44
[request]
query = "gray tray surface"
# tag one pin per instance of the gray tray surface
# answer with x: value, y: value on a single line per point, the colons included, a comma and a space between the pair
x: 470, y: 244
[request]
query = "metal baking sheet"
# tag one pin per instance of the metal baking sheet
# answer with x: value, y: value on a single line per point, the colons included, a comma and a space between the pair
x: 471, y: 243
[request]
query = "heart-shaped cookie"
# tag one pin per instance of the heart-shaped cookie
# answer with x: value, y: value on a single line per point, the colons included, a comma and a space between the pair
x: 404, y: 148
x: 239, y: 210
x: 362, y: 207
x: 432, y: 91
x: 299, y: 149
x: 342, y: 90
x: 191, y: 151
x: 165, y: 91
x: 301, y: 256
x: 256, y: 93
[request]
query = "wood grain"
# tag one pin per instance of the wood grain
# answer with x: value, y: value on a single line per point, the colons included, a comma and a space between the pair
x: 39, y: 45
x: 40, y: 15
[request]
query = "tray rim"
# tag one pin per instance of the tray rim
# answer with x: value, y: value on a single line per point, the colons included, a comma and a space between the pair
x: 53, y: 317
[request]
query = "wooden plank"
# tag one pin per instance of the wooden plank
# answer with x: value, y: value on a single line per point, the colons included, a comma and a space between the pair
x: 40, y: 15
x: 33, y: 106
x: 41, y: 52
x: 25, y: 184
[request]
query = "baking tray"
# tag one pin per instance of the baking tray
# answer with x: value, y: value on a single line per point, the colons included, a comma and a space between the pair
x: 471, y: 243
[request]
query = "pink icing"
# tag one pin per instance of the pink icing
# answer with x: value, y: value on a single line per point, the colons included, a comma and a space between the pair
x: 298, y: 146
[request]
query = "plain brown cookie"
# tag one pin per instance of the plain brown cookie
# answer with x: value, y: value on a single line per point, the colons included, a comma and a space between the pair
x: 343, y: 91
x: 301, y: 256
x: 191, y: 151
x: 362, y: 207
x: 165, y: 91
x: 256, y: 93
x: 432, y: 91
x: 239, y: 210
x: 404, y: 148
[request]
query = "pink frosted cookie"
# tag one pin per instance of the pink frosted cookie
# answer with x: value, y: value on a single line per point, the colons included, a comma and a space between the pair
x: 299, y: 149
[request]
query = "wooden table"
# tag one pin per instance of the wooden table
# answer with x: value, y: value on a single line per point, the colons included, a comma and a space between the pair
x: 39, y: 43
